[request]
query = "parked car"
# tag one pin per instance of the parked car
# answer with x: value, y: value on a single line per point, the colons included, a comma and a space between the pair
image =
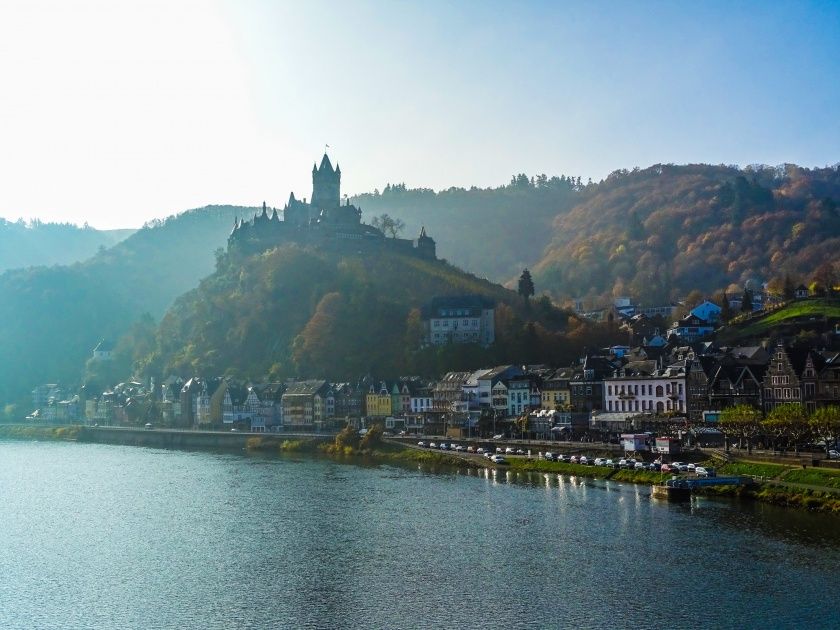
x: 583, y: 460
x: 691, y: 467
x: 508, y: 451
x: 609, y: 463
x: 574, y: 459
x: 498, y: 437
x: 600, y: 461
x: 666, y: 468
x: 459, y: 448
x: 549, y: 456
x: 443, y: 446
x: 498, y: 459
x: 480, y: 450
x: 421, y: 444
x: 519, y: 451
x: 470, y: 449
x: 432, y: 445
x: 702, y: 471
x: 833, y: 454
x: 640, y: 466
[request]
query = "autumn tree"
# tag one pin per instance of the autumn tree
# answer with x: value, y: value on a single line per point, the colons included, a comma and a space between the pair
x: 825, y: 423
x: 741, y: 422
x: 789, y: 423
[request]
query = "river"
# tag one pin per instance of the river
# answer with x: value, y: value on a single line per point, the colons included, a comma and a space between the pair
x: 97, y: 536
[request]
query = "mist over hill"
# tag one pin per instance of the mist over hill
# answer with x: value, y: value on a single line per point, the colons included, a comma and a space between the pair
x: 52, y: 317
x: 36, y: 243
x: 493, y: 232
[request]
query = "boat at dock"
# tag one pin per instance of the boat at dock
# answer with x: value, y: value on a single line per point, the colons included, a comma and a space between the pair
x: 680, y: 488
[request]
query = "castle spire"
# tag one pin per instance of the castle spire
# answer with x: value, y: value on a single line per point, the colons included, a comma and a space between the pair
x: 325, y: 164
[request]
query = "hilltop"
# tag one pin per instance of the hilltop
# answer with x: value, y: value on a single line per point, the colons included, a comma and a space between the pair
x: 494, y: 232
x: 38, y: 243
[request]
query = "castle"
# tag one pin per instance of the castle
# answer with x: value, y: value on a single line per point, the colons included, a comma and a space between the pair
x: 323, y: 222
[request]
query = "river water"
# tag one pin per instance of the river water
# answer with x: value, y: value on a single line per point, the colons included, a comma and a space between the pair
x: 96, y: 536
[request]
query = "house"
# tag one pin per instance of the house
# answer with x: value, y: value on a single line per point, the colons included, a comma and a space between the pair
x: 448, y: 392
x: 348, y: 400
x: 587, y: 384
x: 555, y: 391
x: 206, y: 398
x: 523, y: 394
x: 662, y: 392
x: 303, y: 404
x: 801, y: 292
x: 828, y: 392
x: 104, y: 351
x: 707, y: 311
x: 792, y: 378
x: 490, y: 378
x: 378, y: 401
x: 459, y: 319
x: 690, y: 328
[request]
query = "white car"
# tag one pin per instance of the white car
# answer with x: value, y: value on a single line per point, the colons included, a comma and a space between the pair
x: 600, y: 461
x: 508, y: 451
x: 470, y: 449
x: 480, y: 450
x: 498, y: 437
x: 432, y: 445
x: 421, y: 444
x: 583, y: 460
x: 459, y: 448
x: 833, y: 454
x: 498, y: 459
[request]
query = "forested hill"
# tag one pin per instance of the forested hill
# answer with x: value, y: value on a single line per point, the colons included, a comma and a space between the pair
x: 493, y: 232
x: 299, y: 312
x: 660, y: 232
x: 52, y: 317
x: 36, y: 243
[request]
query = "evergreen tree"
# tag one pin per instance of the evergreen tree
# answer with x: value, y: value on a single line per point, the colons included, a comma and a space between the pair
x: 788, y: 288
x: 747, y: 301
x: 526, y: 284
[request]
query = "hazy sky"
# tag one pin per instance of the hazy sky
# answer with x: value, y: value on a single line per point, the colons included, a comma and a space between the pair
x: 118, y: 112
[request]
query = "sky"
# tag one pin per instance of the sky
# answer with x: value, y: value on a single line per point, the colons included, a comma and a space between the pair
x: 114, y: 113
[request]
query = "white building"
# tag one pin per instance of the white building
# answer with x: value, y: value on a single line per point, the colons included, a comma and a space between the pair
x: 459, y: 319
x: 661, y: 392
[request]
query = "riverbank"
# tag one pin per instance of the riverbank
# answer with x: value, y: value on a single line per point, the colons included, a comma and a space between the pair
x: 30, y: 432
x: 811, y: 489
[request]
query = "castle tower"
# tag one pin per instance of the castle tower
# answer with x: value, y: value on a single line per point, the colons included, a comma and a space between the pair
x: 326, y: 185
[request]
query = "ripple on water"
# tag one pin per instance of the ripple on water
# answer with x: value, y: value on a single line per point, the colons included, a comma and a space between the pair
x: 113, y: 537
